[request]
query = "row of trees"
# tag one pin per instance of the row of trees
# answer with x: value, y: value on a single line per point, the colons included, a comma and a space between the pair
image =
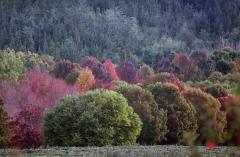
x: 93, y: 103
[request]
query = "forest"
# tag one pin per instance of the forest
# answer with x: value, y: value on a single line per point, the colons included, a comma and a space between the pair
x: 136, y: 30
x: 116, y: 73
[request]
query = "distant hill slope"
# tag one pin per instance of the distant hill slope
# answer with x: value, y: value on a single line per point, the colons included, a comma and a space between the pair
x: 137, y: 30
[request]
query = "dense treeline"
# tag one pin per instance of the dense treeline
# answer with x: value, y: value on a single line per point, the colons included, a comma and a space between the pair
x: 137, y: 30
x: 94, y: 103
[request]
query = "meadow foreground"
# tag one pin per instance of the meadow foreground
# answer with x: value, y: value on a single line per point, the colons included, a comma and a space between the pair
x: 124, y: 151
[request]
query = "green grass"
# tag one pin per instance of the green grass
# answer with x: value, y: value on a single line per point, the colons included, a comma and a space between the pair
x: 125, y: 151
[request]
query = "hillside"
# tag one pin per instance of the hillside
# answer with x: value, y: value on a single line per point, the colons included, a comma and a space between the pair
x: 138, y: 30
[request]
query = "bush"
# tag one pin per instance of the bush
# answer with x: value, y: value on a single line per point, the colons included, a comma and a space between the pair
x: 145, y: 72
x: 223, y: 58
x: 165, y: 77
x: 102, y: 84
x: 98, y: 69
x: 204, y: 63
x: 3, y: 125
x: 226, y: 54
x: 231, y: 105
x: 187, y: 67
x: 73, y: 76
x: 217, y: 91
x: 223, y: 66
x: 181, y: 115
x: 11, y: 66
x: 31, y: 60
x: 211, y: 120
x: 97, y: 118
x: 25, y: 128
x: 154, y: 119
x: 119, y: 83
x: 63, y: 68
x: 236, y: 66
x: 127, y: 72
x: 216, y: 77
x: 165, y: 65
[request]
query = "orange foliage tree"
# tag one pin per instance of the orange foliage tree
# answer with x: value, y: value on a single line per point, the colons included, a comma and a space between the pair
x: 85, y: 80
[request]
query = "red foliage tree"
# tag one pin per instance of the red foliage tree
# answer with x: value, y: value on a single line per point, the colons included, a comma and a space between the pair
x: 127, y: 72
x: 98, y: 69
x: 35, y: 88
x: 111, y: 69
x: 25, y: 127
x: 186, y: 66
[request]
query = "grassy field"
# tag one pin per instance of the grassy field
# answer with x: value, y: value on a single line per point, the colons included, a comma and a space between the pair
x: 126, y: 151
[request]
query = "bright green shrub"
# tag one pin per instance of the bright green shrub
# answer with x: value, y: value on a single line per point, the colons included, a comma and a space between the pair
x: 181, y: 114
x: 97, y: 118
x: 154, y: 119
x: 210, y: 119
x: 11, y: 65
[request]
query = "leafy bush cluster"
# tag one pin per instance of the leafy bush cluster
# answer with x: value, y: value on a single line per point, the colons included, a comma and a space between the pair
x: 90, y: 103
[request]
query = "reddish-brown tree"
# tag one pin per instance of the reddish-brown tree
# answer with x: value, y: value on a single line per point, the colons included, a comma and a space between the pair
x: 26, y: 127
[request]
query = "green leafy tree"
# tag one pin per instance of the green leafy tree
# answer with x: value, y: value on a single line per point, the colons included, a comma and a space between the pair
x: 180, y: 113
x: 97, y: 118
x: 154, y: 119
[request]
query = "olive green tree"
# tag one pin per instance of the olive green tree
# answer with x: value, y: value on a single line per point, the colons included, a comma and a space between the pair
x: 154, y: 119
x: 181, y: 114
